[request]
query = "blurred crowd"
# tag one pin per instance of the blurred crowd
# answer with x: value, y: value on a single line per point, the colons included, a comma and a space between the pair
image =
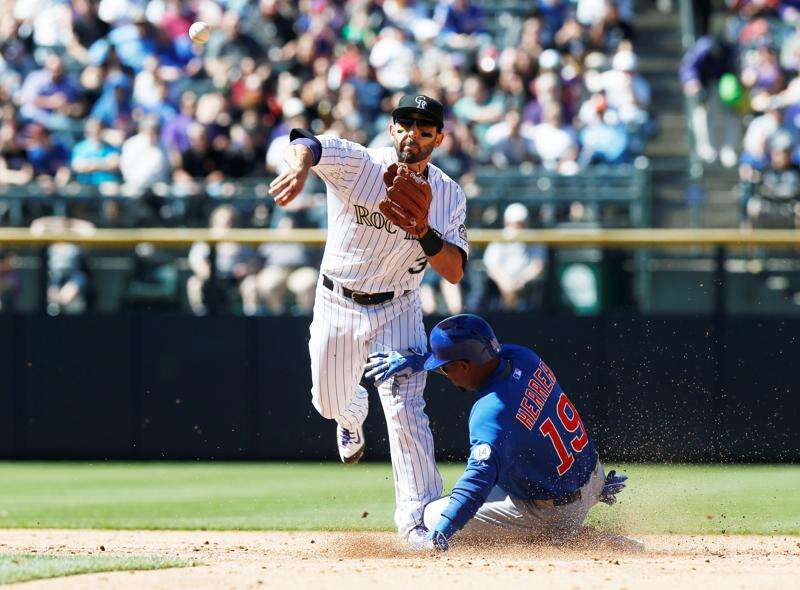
x: 113, y: 94
x: 746, y: 83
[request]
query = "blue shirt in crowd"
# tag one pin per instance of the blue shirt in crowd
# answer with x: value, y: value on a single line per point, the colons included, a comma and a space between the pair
x: 97, y: 152
x: 47, y: 159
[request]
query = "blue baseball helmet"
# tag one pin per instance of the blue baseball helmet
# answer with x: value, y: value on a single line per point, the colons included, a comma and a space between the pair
x: 464, y: 337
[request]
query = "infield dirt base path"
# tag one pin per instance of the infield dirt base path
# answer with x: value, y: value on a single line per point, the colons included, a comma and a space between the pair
x: 367, y: 560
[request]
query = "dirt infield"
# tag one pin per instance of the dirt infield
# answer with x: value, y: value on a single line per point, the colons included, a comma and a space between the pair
x: 364, y: 560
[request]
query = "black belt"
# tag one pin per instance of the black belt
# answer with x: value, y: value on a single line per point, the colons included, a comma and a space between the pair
x: 358, y: 296
x: 576, y: 495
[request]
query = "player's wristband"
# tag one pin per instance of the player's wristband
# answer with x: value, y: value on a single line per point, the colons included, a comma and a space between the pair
x: 431, y: 242
x: 308, y: 139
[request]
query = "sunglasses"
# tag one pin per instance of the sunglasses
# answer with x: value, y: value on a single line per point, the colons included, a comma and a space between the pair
x: 408, y: 123
x: 443, y: 370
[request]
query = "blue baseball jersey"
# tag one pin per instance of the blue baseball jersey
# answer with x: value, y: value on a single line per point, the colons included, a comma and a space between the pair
x: 526, y: 437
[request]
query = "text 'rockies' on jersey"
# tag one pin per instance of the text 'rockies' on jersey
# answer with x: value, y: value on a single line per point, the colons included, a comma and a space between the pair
x: 364, y: 251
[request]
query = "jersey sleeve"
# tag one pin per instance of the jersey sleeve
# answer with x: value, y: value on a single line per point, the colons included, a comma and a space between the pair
x: 471, y: 490
x: 456, y: 231
x: 482, y: 472
x: 341, y: 163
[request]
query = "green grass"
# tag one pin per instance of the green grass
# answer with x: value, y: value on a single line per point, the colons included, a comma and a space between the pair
x: 21, y: 567
x: 309, y: 496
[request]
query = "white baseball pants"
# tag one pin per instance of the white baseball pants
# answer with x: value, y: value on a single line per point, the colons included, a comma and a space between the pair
x: 343, y: 333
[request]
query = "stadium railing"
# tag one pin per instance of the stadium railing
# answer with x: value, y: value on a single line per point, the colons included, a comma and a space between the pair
x: 720, y: 241
x: 660, y: 238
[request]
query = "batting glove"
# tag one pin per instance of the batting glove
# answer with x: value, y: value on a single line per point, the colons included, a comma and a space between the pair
x: 383, y: 365
x: 613, y: 485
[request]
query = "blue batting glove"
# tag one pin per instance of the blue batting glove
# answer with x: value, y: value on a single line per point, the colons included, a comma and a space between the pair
x: 381, y: 366
x: 437, y: 541
x: 613, y: 485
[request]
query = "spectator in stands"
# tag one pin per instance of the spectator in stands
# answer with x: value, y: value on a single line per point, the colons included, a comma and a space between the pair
x: 241, y: 156
x: 516, y: 268
x: 235, y: 266
x: 755, y: 144
x: 144, y: 161
x: 159, y: 105
x: 508, y: 147
x: 49, y: 158
x: 453, y: 158
x: 761, y: 71
x: 392, y: 56
x: 554, y: 14
x: 201, y: 161
x: 369, y: 92
x: 604, y: 141
x: 775, y: 198
x: 9, y: 282
x: 49, y: 96
x: 247, y: 88
x: 14, y: 165
x: 594, y: 108
x: 287, y: 269
x: 790, y: 52
x: 134, y: 39
x: 546, y: 90
x: 15, y: 48
x: 462, y: 24
x: 715, y: 126
x: 175, y: 133
x: 478, y: 107
x: 87, y: 28
x: 95, y: 161
x: 609, y: 30
x: 271, y: 22
x: 69, y: 288
x: 555, y: 142
x: 626, y: 91
x: 230, y: 45
x: 348, y: 111
x: 114, y: 107
x: 145, y: 85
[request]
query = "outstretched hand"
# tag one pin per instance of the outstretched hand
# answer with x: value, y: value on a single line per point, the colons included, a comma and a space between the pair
x: 291, y: 181
x: 288, y: 185
x: 613, y: 485
x: 381, y: 366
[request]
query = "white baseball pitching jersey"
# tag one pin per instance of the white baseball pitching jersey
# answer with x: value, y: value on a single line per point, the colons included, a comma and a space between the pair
x: 364, y: 251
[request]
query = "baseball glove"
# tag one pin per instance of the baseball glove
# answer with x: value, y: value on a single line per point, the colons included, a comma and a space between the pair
x: 407, y: 201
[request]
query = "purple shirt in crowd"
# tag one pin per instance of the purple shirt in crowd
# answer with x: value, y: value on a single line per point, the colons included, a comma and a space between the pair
x: 175, y: 135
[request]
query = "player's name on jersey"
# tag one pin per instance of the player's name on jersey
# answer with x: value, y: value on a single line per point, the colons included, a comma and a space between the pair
x: 377, y: 220
x: 539, y: 389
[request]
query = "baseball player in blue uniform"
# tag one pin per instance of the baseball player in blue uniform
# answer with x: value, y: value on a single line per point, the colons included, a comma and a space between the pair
x: 533, y: 470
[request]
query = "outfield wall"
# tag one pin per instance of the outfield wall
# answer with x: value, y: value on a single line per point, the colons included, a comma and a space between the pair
x: 178, y: 387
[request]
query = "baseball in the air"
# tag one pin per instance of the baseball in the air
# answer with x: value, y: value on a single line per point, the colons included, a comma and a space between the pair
x: 199, y: 32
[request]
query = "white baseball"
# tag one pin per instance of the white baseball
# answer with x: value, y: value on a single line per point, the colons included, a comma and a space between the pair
x: 199, y: 32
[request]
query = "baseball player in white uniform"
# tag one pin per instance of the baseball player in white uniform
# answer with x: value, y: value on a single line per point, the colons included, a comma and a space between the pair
x: 367, y: 296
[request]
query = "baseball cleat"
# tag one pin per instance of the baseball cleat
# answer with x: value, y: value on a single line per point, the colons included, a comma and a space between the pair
x: 351, y: 444
x: 417, y: 537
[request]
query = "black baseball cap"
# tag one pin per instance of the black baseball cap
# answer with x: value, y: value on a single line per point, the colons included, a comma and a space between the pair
x: 430, y: 108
